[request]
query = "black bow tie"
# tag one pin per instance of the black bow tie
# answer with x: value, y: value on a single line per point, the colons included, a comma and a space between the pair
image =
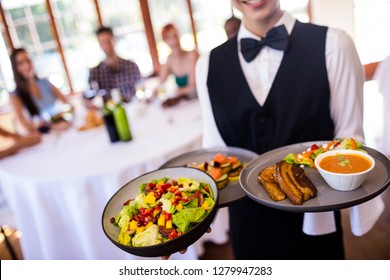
x: 276, y: 38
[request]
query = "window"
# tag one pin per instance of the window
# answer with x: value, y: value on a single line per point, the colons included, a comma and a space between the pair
x: 210, y: 17
x: 6, y: 78
x: 298, y: 8
x: 371, y: 29
x: 175, y: 12
x: 125, y: 17
x: 29, y: 26
x: 76, y: 23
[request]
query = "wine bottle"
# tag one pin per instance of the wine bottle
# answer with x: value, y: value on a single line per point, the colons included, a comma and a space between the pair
x: 120, y: 117
x: 108, y: 117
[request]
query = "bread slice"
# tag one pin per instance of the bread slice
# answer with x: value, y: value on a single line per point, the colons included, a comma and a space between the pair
x: 293, y: 181
x: 267, y: 177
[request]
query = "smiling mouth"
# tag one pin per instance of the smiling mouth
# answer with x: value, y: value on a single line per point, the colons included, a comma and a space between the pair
x: 251, y: 1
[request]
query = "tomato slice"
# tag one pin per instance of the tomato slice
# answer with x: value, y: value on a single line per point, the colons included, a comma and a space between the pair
x: 314, y: 147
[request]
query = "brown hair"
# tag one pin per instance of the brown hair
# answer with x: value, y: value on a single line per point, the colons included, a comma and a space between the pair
x: 166, y: 29
x: 21, y: 85
x: 104, y: 29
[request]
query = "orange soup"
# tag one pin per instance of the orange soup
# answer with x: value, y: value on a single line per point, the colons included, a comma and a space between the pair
x: 345, y: 163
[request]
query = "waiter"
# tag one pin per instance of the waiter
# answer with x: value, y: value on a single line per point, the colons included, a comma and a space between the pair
x: 280, y: 82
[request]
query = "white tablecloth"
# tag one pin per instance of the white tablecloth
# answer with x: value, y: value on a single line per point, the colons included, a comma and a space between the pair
x: 58, y: 189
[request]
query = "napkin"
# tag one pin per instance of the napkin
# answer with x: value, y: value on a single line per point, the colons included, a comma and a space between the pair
x: 364, y: 216
x: 362, y: 219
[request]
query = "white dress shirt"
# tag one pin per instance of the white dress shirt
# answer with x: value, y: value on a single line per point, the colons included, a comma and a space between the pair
x: 346, y: 79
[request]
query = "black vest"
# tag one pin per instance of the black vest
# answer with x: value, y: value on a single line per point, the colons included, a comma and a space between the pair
x: 297, y: 107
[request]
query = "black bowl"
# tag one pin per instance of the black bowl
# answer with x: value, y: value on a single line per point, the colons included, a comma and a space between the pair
x: 129, y: 190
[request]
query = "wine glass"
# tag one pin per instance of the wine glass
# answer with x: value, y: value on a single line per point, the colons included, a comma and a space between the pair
x: 140, y: 90
x: 41, y: 121
x: 162, y: 93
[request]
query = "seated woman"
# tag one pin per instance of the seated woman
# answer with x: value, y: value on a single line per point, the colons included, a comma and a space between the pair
x: 36, y: 95
x: 180, y: 63
x: 19, y: 142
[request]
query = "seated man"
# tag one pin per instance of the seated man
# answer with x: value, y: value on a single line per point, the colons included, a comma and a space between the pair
x: 20, y: 142
x: 113, y: 71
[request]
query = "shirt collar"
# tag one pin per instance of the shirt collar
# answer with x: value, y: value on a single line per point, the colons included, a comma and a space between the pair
x: 287, y: 19
x: 120, y: 66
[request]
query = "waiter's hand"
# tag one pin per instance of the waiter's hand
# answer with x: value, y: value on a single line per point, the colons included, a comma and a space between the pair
x: 184, y: 250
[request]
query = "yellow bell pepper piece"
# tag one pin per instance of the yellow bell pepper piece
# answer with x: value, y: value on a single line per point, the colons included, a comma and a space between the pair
x: 155, y: 212
x: 133, y: 225
x: 150, y: 198
x: 140, y: 229
x: 169, y: 224
x: 205, y: 205
x: 161, y: 221
x: 148, y: 225
x: 179, y: 207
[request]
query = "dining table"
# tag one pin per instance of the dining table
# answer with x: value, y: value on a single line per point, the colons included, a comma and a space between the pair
x: 58, y: 189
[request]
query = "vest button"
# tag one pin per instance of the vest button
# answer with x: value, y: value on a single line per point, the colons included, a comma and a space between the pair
x: 261, y: 120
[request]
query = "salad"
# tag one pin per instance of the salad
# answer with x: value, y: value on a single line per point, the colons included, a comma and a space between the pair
x: 306, y: 158
x: 163, y: 210
x: 222, y: 168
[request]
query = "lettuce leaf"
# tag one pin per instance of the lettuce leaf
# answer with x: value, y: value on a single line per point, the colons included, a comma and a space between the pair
x: 167, y: 205
x: 189, y: 185
x: 207, y: 193
x: 168, y: 195
x: 185, y: 217
x: 210, y: 202
x: 319, y: 151
x: 142, y: 187
x: 291, y: 159
x: 346, y: 143
x: 124, y: 238
x: 125, y: 215
x: 139, y: 202
x: 150, y: 236
x: 193, y: 203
